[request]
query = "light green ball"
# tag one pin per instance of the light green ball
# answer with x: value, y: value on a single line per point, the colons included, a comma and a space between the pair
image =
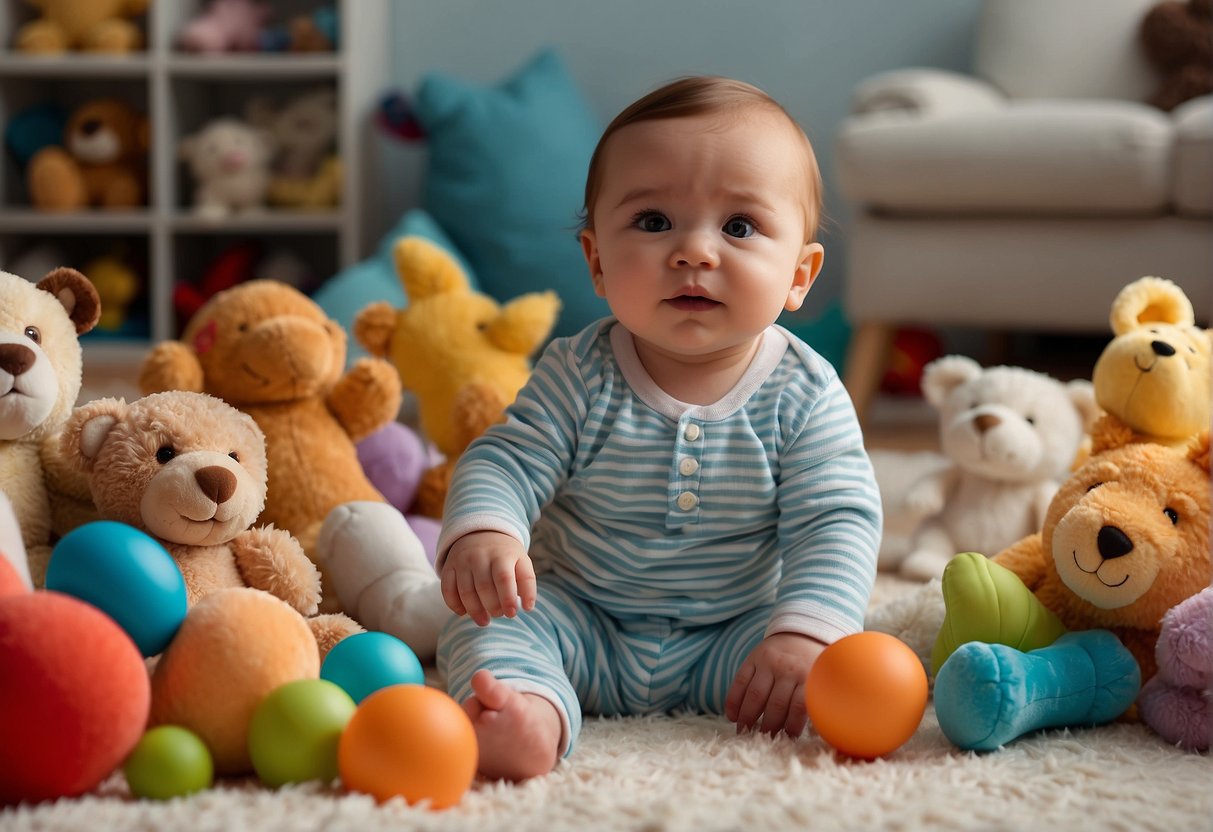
x: 295, y: 731
x: 169, y: 761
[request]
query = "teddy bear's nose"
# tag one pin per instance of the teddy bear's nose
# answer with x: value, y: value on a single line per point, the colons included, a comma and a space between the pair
x: 1162, y: 348
x: 986, y: 421
x: 1113, y: 543
x: 15, y: 359
x: 217, y: 483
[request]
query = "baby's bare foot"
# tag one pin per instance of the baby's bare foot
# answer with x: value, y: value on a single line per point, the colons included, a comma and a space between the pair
x: 518, y: 733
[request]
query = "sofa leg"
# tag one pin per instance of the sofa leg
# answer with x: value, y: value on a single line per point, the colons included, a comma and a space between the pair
x: 867, y: 358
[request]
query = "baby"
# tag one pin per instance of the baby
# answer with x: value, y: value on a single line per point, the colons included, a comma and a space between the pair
x: 686, y: 478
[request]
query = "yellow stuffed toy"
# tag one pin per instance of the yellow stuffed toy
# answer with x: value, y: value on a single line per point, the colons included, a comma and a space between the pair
x: 1155, y: 373
x: 464, y: 356
x: 87, y: 25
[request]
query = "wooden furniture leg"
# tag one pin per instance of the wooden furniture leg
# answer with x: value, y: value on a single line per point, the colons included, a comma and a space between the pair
x: 867, y: 357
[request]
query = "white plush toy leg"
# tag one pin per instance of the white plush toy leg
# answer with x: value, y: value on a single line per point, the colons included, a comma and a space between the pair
x: 11, y: 547
x: 381, y: 575
x: 933, y: 548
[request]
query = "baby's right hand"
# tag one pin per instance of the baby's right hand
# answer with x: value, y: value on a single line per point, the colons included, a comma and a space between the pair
x: 485, y: 574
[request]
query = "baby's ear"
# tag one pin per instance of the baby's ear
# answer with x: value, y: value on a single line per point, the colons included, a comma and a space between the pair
x: 86, y: 431
x: 943, y: 375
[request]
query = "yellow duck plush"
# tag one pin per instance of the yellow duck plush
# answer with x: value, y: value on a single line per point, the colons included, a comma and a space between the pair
x: 1155, y: 373
x: 462, y: 354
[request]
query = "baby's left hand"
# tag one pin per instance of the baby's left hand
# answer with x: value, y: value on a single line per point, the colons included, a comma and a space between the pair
x: 770, y: 684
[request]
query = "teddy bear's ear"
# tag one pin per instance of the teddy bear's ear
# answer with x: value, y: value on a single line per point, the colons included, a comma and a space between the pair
x: 1150, y: 300
x: 1082, y: 394
x: 943, y: 375
x: 1109, y: 432
x: 524, y: 323
x: 171, y: 365
x: 1198, y: 450
x: 77, y: 295
x: 86, y: 430
x: 373, y: 328
x: 425, y: 269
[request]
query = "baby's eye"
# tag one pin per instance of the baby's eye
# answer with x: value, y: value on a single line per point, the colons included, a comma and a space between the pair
x: 741, y: 227
x: 651, y: 221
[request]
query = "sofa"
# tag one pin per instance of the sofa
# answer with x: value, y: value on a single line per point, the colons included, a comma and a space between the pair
x: 1023, y: 196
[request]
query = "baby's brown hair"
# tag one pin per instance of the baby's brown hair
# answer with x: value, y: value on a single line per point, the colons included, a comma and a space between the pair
x: 700, y: 95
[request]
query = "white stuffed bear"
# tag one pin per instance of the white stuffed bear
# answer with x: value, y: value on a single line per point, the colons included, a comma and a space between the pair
x: 1010, y: 436
x: 230, y: 163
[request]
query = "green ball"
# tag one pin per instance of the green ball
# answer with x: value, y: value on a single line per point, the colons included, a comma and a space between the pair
x: 295, y: 731
x: 169, y: 761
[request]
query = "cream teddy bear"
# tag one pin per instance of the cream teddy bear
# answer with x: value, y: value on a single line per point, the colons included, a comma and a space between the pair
x: 229, y: 161
x: 40, y: 366
x: 1010, y: 435
x: 190, y: 470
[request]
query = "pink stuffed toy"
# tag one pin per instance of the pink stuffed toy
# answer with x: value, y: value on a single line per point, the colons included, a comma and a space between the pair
x: 1176, y: 702
x: 226, y: 26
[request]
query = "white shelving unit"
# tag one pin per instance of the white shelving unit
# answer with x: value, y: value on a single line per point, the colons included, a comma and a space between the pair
x: 179, y: 92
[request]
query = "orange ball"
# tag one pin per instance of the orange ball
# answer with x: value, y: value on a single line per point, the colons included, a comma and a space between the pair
x: 409, y: 741
x: 866, y: 694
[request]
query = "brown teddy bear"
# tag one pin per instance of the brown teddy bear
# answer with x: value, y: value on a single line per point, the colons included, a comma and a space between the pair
x: 269, y: 350
x: 190, y: 470
x: 89, y: 25
x: 464, y: 356
x: 1040, y: 628
x: 1178, y: 40
x: 101, y: 163
x: 40, y: 365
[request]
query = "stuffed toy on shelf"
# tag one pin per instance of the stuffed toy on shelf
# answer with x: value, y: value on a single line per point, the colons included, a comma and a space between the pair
x: 40, y: 372
x: 229, y: 164
x: 1061, y: 628
x: 1010, y: 436
x: 1156, y: 374
x: 306, y: 172
x: 463, y: 355
x: 225, y: 26
x: 101, y: 163
x: 269, y: 350
x: 87, y: 25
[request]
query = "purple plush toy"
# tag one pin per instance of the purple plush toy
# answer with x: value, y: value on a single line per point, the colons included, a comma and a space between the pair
x: 1176, y: 702
x: 393, y: 459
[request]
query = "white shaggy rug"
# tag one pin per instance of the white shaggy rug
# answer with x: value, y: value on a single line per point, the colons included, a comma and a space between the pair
x: 695, y: 773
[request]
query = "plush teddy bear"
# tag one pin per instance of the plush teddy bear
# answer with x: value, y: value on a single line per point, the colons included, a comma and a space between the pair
x: 101, y: 162
x: 463, y: 355
x: 1176, y: 702
x: 40, y: 366
x: 1156, y: 374
x: 225, y: 26
x: 89, y: 25
x: 268, y: 349
x: 306, y: 171
x: 1178, y: 40
x: 1010, y: 435
x: 190, y: 470
x: 1061, y: 628
x: 229, y: 162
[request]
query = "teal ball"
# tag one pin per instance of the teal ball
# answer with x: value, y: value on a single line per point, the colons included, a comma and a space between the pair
x: 126, y: 574
x: 366, y: 662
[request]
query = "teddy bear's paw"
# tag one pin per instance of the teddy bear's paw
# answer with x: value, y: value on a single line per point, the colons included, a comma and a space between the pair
x: 115, y: 37
x: 924, y: 500
x: 1180, y: 716
x: 366, y: 398
x: 330, y: 629
x: 55, y: 181
x: 42, y: 37
x: 271, y: 560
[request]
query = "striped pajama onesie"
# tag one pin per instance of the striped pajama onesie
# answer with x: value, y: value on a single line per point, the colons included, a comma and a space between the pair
x: 669, y: 538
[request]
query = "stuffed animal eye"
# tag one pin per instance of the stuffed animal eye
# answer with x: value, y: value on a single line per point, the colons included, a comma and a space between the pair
x: 1029, y: 420
x: 243, y: 327
x: 165, y: 454
x: 234, y: 456
x: 482, y: 326
x: 32, y: 333
x: 1093, y: 486
x: 1172, y: 515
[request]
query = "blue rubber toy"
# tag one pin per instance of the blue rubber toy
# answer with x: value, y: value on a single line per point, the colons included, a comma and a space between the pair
x: 987, y: 695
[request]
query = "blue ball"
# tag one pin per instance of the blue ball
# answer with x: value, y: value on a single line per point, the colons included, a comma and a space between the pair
x: 363, y: 663
x: 126, y: 574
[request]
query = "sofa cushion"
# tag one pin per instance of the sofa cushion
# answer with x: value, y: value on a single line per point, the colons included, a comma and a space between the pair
x: 1193, y: 168
x: 1049, y: 156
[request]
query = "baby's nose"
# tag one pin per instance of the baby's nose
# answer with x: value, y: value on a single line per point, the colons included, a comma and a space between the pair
x: 694, y: 249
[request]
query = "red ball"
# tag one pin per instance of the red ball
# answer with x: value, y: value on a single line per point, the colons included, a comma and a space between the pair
x: 10, y: 584
x: 74, y: 697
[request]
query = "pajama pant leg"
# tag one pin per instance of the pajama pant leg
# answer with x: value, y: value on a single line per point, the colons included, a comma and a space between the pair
x: 712, y: 677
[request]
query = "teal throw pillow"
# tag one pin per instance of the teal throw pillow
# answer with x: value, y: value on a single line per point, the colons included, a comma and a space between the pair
x: 506, y: 180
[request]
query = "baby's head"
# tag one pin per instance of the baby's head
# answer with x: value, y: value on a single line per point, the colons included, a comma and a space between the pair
x: 702, y: 202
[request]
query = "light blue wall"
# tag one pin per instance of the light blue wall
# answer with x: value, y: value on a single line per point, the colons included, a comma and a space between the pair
x: 808, y: 54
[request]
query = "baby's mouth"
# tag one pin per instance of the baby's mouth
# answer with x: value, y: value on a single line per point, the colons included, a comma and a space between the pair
x: 692, y: 303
